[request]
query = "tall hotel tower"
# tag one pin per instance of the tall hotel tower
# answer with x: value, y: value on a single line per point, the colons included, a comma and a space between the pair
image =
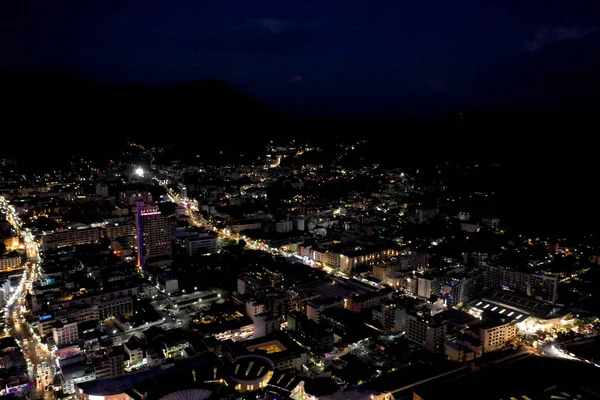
x: 153, y: 233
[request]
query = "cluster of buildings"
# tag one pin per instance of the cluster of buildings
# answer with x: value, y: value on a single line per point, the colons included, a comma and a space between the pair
x: 350, y: 286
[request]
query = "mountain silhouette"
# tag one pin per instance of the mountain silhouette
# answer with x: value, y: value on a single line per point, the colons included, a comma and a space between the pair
x: 50, y: 115
x: 57, y: 114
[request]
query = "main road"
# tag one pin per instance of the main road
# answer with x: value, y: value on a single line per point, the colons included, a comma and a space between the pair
x: 39, y: 360
x: 198, y: 220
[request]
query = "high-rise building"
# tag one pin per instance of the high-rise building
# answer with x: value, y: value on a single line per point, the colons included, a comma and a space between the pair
x: 153, y: 233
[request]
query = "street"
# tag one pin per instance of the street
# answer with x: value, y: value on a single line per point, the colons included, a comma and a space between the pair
x: 39, y: 360
x: 197, y: 220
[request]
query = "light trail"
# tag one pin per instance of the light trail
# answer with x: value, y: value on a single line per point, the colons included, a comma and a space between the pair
x: 29, y: 274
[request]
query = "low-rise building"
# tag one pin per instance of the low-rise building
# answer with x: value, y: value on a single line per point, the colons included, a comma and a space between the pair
x: 10, y: 262
x: 360, y: 302
x: 201, y: 244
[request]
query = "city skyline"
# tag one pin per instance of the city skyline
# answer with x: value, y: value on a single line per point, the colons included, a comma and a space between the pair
x: 336, y: 200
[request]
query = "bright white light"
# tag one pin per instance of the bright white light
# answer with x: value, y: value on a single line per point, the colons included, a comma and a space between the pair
x: 139, y: 171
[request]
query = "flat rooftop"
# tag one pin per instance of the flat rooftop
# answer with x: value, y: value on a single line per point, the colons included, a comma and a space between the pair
x: 503, y: 311
x: 273, y: 346
x: 331, y: 289
x: 516, y: 301
x: 276, y: 340
x: 203, y: 365
x: 285, y: 381
x: 525, y: 378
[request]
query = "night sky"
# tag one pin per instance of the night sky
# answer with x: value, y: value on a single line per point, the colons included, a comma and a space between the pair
x: 322, y: 57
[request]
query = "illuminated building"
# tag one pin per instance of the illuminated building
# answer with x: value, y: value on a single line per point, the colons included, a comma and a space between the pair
x: 70, y: 237
x: 153, y: 233
x: 64, y: 334
x: 8, y: 263
x: 284, y: 353
x: 11, y: 243
x: 251, y: 372
x: 539, y: 285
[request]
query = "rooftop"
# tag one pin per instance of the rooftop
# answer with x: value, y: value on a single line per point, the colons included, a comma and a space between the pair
x: 251, y: 367
x: 202, y: 365
x: 516, y: 301
x: 370, y: 295
x: 457, y: 317
x: 269, y: 347
x: 490, y: 308
x: 284, y: 380
x: 190, y: 394
x: 528, y: 377
x: 331, y: 289
x: 324, y: 301
x: 280, y: 339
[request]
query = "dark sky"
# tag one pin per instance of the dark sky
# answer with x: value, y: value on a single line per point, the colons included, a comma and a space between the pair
x: 321, y: 57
